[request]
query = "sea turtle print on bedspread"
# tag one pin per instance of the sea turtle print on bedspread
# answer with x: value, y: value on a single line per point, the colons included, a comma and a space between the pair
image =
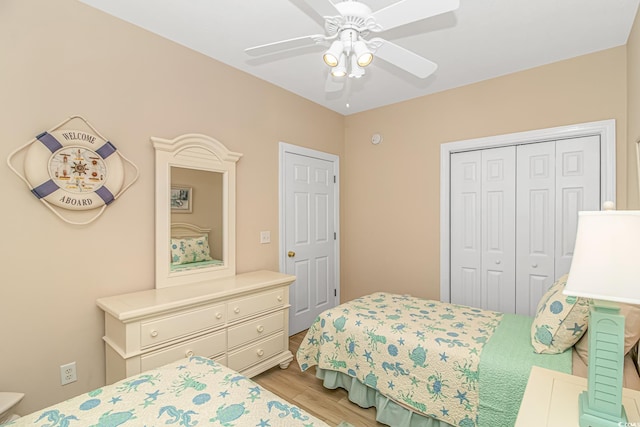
x: 423, y: 354
x: 191, y: 392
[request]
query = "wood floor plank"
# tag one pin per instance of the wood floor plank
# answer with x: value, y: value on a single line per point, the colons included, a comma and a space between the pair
x: 306, y: 391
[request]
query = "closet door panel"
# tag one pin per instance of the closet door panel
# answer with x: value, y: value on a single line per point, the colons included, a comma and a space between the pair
x: 578, y: 189
x: 498, y: 229
x: 536, y: 183
x: 513, y: 216
x: 466, y: 224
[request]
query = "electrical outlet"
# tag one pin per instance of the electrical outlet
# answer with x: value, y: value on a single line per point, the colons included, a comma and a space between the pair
x: 68, y: 373
x: 265, y: 237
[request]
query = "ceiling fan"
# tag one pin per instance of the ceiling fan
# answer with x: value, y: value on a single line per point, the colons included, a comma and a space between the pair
x: 347, y: 26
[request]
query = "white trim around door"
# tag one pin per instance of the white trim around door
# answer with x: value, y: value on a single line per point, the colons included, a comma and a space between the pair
x: 606, y: 129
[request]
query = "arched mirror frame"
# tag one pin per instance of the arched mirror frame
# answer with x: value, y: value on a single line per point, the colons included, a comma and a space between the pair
x: 201, y: 152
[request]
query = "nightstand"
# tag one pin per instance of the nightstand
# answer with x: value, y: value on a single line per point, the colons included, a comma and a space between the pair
x: 551, y: 399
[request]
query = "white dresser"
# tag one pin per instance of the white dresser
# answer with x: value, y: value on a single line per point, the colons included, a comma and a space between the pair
x: 241, y: 321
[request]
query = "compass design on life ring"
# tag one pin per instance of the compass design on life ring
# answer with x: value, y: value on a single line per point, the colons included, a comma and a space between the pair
x: 77, y: 169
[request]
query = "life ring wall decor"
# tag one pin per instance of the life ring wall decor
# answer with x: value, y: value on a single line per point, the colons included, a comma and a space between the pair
x: 73, y: 167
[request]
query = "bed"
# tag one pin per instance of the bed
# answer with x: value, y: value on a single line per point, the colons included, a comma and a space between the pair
x: 190, y: 248
x: 190, y: 392
x: 428, y: 363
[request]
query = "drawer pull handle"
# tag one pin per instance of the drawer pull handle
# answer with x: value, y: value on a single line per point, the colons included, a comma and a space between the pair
x: 236, y: 310
x: 279, y: 298
x: 260, y: 329
x: 218, y: 315
x: 189, y: 353
x: 260, y: 352
x: 154, y: 333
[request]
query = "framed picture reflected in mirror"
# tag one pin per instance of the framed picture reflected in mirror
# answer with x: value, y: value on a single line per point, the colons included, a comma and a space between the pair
x: 181, y: 199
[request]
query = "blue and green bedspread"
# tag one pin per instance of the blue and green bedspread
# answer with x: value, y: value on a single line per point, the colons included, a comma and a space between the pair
x: 190, y: 392
x: 461, y: 365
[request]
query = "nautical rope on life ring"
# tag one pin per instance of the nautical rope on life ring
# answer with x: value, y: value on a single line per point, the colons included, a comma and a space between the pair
x: 73, y: 169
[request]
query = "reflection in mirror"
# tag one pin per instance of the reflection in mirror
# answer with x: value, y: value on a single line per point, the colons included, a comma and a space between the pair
x: 198, y: 203
x: 195, y: 210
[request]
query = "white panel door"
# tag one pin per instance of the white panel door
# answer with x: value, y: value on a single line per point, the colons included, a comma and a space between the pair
x: 309, y: 237
x: 466, y: 226
x: 498, y: 229
x: 577, y: 189
x: 556, y: 179
x: 513, y: 217
x: 536, y: 211
x: 483, y: 228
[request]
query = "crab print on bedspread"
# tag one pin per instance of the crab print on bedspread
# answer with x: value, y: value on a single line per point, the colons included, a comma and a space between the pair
x: 192, y: 392
x: 423, y: 354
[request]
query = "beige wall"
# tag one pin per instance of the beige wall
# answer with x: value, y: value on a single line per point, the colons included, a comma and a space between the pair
x: 391, y: 191
x: 60, y: 58
x: 633, y: 112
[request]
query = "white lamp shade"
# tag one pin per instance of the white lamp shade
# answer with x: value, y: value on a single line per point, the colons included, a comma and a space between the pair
x: 340, y: 70
x: 606, y: 258
x: 332, y: 56
x: 363, y: 55
x: 356, y: 70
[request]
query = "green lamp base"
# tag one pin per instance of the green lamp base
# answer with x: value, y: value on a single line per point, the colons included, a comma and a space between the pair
x: 592, y: 418
x: 601, y: 405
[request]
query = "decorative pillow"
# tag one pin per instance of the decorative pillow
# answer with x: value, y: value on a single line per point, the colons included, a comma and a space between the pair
x: 631, y: 315
x: 190, y: 249
x: 560, y: 320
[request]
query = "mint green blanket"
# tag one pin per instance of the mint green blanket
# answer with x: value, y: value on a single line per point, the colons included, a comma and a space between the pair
x: 509, y: 351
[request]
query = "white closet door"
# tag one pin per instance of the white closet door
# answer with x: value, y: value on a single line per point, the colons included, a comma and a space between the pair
x: 536, y: 206
x: 577, y: 189
x: 513, y: 217
x: 466, y: 224
x: 555, y: 180
x: 498, y: 229
x: 483, y: 228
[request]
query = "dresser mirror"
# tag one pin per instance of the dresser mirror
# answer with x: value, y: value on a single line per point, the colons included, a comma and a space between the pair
x: 195, y: 210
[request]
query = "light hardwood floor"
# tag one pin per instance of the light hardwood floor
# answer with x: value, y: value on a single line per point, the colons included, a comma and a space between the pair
x: 304, y: 390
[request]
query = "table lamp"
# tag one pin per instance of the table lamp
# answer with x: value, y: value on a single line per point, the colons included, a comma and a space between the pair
x: 606, y: 269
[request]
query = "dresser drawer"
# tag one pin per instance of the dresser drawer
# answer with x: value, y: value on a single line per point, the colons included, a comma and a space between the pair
x: 255, y: 329
x: 257, y: 352
x: 167, y: 328
x: 208, y: 346
x: 244, y: 307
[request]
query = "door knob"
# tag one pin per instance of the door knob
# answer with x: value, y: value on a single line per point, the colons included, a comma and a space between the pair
x: 291, y: 254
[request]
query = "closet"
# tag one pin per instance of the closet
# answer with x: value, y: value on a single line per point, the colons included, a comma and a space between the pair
x: 513, y: 216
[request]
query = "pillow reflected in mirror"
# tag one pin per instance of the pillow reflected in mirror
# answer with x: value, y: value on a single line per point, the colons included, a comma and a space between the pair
x: 188, y: 250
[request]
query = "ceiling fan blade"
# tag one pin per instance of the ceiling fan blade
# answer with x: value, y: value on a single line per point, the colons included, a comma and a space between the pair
x: 405, y: 59
x: 323, y: 7
x: 407, y: 11
x: 282, y: 45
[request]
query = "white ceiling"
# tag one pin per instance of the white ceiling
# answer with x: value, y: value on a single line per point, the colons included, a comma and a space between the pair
x: 481, y: 40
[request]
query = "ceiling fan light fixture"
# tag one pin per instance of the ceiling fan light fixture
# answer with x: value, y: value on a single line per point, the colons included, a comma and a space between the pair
x: 356, y: 70
x: 363, y: 54
x: 340, y: 70
x: 332, y: 56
